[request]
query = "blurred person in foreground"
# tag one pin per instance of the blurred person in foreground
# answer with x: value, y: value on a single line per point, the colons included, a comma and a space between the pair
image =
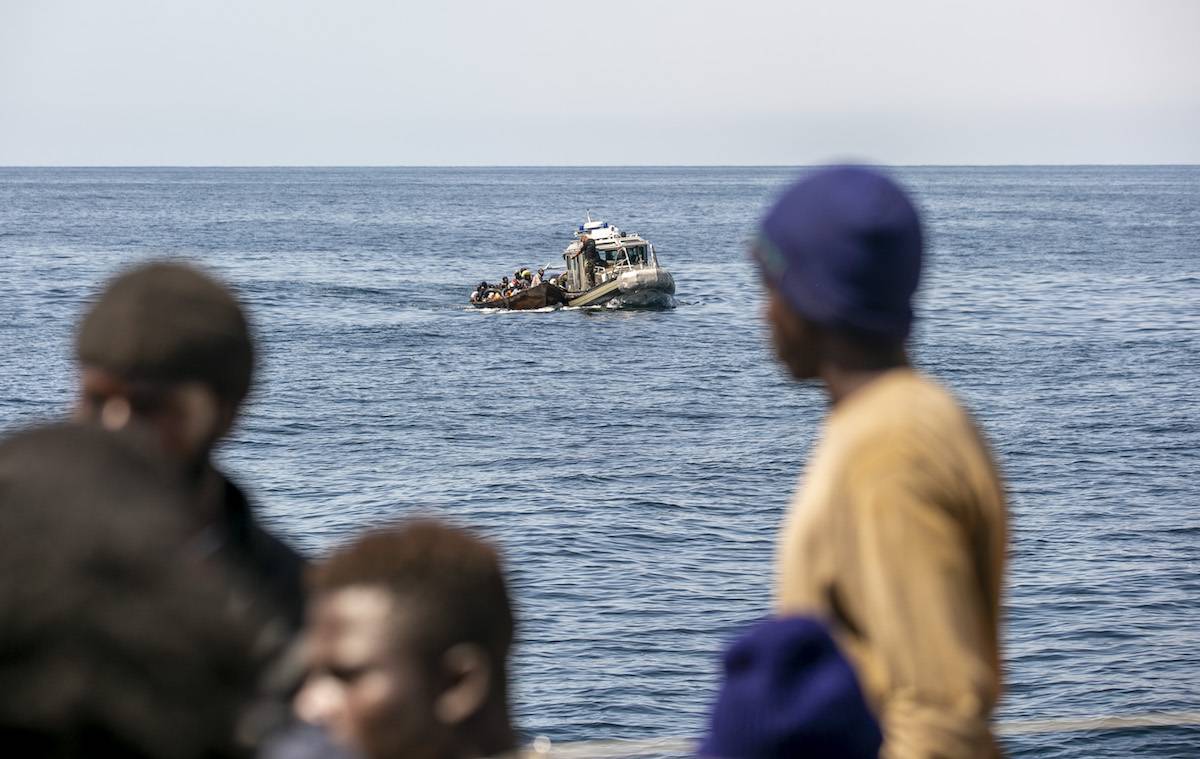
x: 896, y: 536
x: 115, y: 641
x: 408, y: 639
x: 166, y: 350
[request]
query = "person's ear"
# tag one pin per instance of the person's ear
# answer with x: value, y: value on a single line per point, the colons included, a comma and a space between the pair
x: 798, y: 342
x: 201, y: 417
x: 467, y: 670
x: 115, y: 413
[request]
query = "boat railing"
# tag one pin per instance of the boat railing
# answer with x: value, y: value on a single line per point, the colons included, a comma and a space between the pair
x: 623, y: 251
x: 619, y: 265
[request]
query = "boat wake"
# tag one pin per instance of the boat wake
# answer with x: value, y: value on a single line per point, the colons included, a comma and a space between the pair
x: 485, y: 310
x: 659, y: 302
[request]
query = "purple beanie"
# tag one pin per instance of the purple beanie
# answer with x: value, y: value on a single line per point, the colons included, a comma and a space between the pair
x: 843, y: 247
x: 788, y: 692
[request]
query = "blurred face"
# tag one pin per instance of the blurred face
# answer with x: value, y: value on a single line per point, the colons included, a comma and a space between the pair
x: 794, y: 338
x: 185, y: 418
x: 366, y: 684
x: 115, y: 402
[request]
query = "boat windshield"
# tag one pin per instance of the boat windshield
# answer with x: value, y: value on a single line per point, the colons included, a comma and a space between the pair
x: 636, y: 255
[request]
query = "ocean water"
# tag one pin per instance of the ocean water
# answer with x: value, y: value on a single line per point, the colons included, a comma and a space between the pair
x: 635, y: 465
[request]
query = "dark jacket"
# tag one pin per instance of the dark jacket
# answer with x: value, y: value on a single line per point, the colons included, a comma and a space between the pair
x: 272, y: 569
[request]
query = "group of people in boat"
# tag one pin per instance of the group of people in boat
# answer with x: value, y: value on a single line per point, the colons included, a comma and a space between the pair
x: 522, y: 279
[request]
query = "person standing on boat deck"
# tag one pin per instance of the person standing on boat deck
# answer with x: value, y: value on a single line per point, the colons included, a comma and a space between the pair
x: 587, y: 248
x: 897, y: 535
x: 166, y: 350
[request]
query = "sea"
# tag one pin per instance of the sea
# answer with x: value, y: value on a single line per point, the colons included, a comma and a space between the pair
x: 634, y: 466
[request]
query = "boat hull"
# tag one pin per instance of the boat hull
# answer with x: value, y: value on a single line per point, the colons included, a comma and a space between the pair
x: 637, y: 288
x: 538, y: 296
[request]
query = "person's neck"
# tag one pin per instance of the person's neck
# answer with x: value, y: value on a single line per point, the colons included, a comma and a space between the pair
x: 842, y: 382
x: 489, y: 735
x: 209, y: 500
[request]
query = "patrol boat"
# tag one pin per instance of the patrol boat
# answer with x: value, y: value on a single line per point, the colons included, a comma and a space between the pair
x: 627, y: 273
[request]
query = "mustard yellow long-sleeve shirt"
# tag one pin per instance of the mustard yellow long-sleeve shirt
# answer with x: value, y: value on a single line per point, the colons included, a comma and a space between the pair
x: 896, y: 537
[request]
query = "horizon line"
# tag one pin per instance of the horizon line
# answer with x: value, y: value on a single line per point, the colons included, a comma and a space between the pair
x: 589, y: 166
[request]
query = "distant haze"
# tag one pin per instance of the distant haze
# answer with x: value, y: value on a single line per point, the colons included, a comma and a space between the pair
x: 374, y: 82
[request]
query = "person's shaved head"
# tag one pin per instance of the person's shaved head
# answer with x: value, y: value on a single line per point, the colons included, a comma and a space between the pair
x: 409, y: 634
x: 169, y: 322
x: 165, y: 347
x: 454, y: 577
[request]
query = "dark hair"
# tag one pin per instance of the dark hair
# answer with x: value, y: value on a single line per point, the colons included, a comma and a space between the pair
x: 112, y: 641
x: 170, y: 322
x: 454, y: 577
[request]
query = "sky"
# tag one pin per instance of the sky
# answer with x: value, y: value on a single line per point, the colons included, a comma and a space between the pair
x: 647, y: 82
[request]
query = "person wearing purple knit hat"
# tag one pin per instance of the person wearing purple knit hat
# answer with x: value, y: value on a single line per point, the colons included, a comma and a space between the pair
x: 896, y: 535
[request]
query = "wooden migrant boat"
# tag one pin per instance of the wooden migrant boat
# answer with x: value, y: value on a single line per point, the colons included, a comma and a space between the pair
x: 538, y: 296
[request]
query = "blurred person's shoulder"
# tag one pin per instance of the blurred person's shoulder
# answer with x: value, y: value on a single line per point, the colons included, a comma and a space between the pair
x: 906, y: 430
x: 276, y: 567
x: 246, y: 527
x: 902, y: 411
